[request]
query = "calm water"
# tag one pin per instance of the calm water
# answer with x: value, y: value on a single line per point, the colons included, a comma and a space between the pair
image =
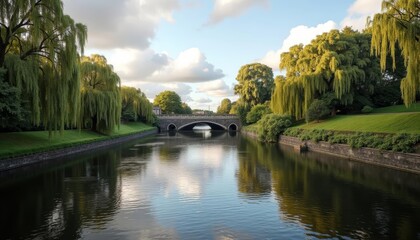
x: 207, y: 185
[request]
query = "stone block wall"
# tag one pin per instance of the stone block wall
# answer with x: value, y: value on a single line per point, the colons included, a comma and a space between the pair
x: 403, y: 161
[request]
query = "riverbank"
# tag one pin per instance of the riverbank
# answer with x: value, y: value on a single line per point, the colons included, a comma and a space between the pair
x: 402, y: 161
x: 25, y: 148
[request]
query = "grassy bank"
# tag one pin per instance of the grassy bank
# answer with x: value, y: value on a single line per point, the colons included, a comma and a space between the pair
x: 20, y: 143
x: 395, y: 128
x: 408, y: 122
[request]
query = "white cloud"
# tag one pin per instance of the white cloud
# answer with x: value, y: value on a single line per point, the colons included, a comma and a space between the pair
x: 217, y: 88
x: 228, y: 8
x: 298, y: 35
x: 203, y: 100
x: 153, y: 89
x: 124, y: 23
x: 359, y: 11
x: 191, y: 66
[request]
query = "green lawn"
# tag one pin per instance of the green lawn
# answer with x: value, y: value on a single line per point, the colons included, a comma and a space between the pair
x: 398, y: 109
x: 380, y: 122
x: 19, y: 143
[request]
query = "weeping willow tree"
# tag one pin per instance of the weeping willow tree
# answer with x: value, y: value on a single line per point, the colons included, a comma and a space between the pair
x: 100, y: 95
x: 135, y: 105
x: 334, y: 62
x: 399, y: 24
x: 39, y: 48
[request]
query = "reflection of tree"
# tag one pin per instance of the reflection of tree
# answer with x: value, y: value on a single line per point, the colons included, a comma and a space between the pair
x: 252, y: 178
x: 169, y: 153
x: 339, y: 198
x: 59, y: 202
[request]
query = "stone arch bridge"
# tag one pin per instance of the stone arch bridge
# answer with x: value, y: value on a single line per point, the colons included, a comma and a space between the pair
x: 187, y: 122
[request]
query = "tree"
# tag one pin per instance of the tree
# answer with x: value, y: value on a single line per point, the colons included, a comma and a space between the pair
x: 317, y: 111
x: 334, y: 62
x: 39, y: 48
x: 135, y: 106
x: 186, y: 109
x: 100, y: 95
x: 257, y: 112
x: 399, y: 26
x: 255, y: 83
x: 169, y: 102
x: 225, y: 106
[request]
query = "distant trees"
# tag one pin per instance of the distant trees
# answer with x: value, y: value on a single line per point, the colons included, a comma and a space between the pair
x: 398, y: 26
x: 100, y: 94
x: 224, y: 107
x: 255, y: 84
x: 170, y: 102
x: 135, y: 106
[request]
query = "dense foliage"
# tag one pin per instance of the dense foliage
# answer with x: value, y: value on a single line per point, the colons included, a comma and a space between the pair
x: 317, y: 110
x: 393, y: 142
x: 135, y: 106
x: 336, y: 63
x: 100, y: 95
x: 398, y: 26
x: 169, y: 102
x: 271, y: 125
x: 255, y: 84
x: 257, y: 112
x: 39, y: 48
x: 224, y: 107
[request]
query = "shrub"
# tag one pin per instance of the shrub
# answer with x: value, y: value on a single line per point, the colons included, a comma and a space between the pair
x: 317, y: 111
x: 392, y: 142
x: 257, y: 112
x: 271, y: 125
x: 367, y: 109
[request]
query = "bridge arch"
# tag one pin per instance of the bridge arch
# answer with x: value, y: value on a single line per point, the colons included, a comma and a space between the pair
x: 232, y: 127
x: 210, y: 123
x: 171, y: 127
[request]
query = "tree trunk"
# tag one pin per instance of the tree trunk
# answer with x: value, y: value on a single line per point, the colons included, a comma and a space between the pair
x: 2, y: 54
x: 94, y: 123
x: 334, y: 111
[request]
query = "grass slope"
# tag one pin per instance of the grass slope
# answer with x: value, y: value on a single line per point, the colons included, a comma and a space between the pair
x: 415, y: 107
x: 393, y: 119
x: 20, y: 143
x: 381, y: 123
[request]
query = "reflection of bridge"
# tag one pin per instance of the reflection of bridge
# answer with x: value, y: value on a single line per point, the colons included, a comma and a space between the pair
x: 187, y: 122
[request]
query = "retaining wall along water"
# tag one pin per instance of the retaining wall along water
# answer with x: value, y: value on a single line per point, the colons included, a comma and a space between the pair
x: 11, y: 163
x: 402, y: 161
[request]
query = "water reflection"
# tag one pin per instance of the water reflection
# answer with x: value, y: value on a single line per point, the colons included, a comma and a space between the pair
x: 332, y: 197
x: 188, y: 186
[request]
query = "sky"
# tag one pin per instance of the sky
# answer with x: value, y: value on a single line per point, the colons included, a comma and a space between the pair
x: 196, y: 47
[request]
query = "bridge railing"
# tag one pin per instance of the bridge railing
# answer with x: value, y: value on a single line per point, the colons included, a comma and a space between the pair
x: 198, y: 116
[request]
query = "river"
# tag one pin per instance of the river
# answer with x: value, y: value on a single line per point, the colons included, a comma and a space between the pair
x: 207, y: 185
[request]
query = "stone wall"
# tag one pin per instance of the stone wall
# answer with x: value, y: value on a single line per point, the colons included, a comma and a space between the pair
x: 11, y: 163
x: 402, y: 161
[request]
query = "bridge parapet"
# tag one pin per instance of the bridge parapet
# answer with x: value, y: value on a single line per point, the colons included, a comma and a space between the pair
x: 188, y: 121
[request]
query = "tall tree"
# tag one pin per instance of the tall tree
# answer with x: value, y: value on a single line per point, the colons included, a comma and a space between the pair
x: 169, y: 102
x: 334, y: 62
x: 399, y: 25
x: 225, y: 106
x: 39, y: 48
x: 135, y: 105
x: 255, y: 83
x: 101, y: 96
